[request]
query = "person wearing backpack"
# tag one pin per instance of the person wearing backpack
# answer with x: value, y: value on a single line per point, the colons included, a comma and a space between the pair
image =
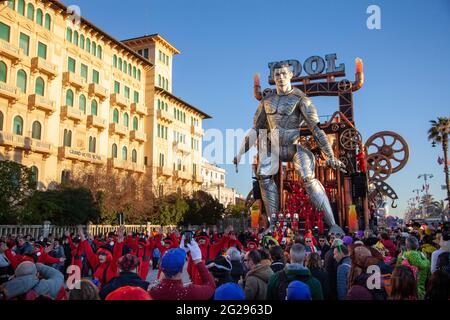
x: 257, y: 277
x: 341, y: 255
x: 295, y: 270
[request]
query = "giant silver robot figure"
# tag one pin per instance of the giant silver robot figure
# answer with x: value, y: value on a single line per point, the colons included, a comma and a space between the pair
x: 281, y: 113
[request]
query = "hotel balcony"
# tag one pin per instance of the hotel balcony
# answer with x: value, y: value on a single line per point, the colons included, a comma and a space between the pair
x: 10, y: 51
x: 197, y: 131
x: 117, y: 99
x: 43, y: 147
x: 97, y: 122
x: 50, y: 69
x: 98, y: 90
x: 138, y: 136
x: 74, y: 79
x: 26, y: 143
x: 118, y: 129
x: 164, y: 115
x: 178, y: 146
x: 163, y: 171
x: 79, y: 155
x: 137, y: 167
x: 139, y: 109
x: 197, y: 178
x: 9, y: 92
x: 71, y: 113
x: 116, y: 163
x: 182, y: 175
x: 36, y: 101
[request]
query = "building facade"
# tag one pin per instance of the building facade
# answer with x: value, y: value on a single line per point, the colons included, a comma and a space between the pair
x: 214, y: 184
x: 74, y: 99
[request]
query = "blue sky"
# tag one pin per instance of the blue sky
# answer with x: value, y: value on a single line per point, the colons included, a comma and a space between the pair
x: 224, y: 42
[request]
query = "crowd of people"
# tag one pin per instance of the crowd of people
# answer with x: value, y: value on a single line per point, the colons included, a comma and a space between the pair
x: 410, y: 263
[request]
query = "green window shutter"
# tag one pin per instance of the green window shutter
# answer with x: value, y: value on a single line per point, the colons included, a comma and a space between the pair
x: 127, y: 92
x: 25, y: 43
x: 135, y: 123
x: 94, y: 106
x: 4, y: 31
x: 69, y: 98
x: 84, y: 71
x: 116, y: 87
x: 40, y: 87
x: 36, y: 130
x: 124, y: 153
x: 21, y: 82
x: 48, y: 21
x: 3, y: 71
x: 95, y: 76
x: 114, y: 150
x: 21, y: 7
x: 126, y: 120
x: 42, y: 50
x: 116, y: 116
x: 71, y: 64
x: 18, y: 125
x: 69, y: 34
x: 136, y: 97
x: 39, y: 17
x: 82, y: 104
x: 82, y: 42
x: 75, y: 38
x: 30, y: 11
x: 11, y: 4
x: 88, y: 45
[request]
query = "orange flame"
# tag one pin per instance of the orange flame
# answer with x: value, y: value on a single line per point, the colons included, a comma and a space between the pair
x: 256, y: 79
x: 359, y: 65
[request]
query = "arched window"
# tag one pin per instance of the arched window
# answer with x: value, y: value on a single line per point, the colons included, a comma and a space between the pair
x: 48, y: 21
x: 92, y: 143
x: 124, y: 153
x: 69, y: 34
x: 115, y: 61
x: 167, y: 84
x: 94, y: 48
x: 116, y: 116
x: 18, y: 125
x: 129, y: 69
x: 139, y: 75
x: 82, y: 103
x: 21, y: 81
x: 39, y: 17
x: 36, y: 130
x: 114, y: 151
x: 69, y: 98
x: 99, y: 51
x: 94, y: 107
x: 88, y: 45
x: 65, y: 176
x: 75, y: 38
x: 30, y: 11
x: 120, y: 64
x: 134, y: 72
x: 1, y: 121
x: 39, y: 88
x: 125, y: 66
x: 82, y: 41
x: 67, y: 138
x: 159, y: 81
x: 135, y: 123
x: 34, y: 174
x: 126, y: 119
x: 161, y: 190
x: 21, y: 7
x: 3, y: 71
x: 134, y: 156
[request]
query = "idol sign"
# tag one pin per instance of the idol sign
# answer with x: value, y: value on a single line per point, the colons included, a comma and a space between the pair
x: 313, y: 66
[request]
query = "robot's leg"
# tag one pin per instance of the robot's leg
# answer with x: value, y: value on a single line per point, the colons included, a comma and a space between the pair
x: 269, y: 195
x: 304, y: 162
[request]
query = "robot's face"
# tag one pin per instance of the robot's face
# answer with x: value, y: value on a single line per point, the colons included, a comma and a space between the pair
x: 282, y: 76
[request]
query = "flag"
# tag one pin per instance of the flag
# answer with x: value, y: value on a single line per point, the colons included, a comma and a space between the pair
x: 440, y: 161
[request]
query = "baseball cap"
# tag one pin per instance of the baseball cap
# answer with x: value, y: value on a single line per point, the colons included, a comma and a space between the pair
x: 173, y: 261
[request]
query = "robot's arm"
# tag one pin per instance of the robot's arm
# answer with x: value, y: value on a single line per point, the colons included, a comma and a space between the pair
x: 259, y: 122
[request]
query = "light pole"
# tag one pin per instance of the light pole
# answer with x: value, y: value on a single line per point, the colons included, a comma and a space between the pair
x: 425, y: 177
x: 417, y: 191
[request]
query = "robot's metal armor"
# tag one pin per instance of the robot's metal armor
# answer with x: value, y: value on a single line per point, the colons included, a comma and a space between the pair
x: 285, y: 114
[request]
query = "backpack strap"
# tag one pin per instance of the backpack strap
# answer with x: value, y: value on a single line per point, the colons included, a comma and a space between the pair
x: 283, y: 283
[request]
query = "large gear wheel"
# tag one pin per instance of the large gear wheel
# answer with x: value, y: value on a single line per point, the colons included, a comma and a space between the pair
x: 379, y: 167
x: 350, y: 139
x: 392, y: 146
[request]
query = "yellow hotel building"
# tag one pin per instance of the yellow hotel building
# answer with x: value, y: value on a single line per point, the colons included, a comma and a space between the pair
x: 74, y: 98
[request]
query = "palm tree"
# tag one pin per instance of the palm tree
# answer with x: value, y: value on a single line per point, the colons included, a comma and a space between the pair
x: 438, y: 133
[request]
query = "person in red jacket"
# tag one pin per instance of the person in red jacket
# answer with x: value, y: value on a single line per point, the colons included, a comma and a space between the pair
x: 103, y: 263
x: 145, y: 254
x: 44, y: 257
x: 77, y: 250
x: 388, y: 244
x: 171, y: 286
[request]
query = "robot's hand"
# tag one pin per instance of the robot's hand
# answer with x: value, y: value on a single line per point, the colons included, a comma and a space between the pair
x: 336, y: 164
